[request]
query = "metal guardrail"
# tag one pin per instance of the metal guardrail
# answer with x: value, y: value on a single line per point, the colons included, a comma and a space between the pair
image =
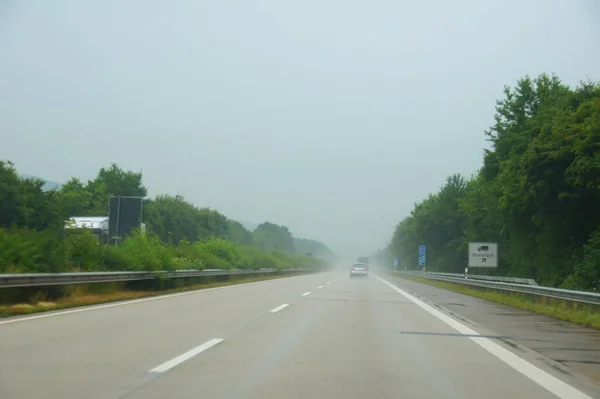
x: 42, y: 279
x: 557, y: 293
x: 516, y: 280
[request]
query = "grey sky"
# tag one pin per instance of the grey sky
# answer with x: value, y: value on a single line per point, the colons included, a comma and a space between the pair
x: 331, y: 117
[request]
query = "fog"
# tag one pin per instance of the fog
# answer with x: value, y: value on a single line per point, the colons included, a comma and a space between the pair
x: 330, y: 117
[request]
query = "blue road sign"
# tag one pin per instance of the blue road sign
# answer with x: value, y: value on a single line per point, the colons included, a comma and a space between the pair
x: 422, y: 255
x: 395, y: 261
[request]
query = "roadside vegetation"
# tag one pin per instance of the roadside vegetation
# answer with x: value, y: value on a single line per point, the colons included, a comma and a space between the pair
x: 19, y: 302
x: 179, y: 235
x: 582, y: 314
x: 537, y: 194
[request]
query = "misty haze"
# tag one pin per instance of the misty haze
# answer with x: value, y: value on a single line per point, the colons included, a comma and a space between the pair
x: 372, y: 158
x: 332, y: 119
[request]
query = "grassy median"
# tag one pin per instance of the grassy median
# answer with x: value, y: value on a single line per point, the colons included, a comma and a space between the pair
x: 95, y: 294
x: 582, y: 314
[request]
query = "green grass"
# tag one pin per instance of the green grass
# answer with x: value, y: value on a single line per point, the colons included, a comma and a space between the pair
x: 582, y: 314
x: 83, y: 297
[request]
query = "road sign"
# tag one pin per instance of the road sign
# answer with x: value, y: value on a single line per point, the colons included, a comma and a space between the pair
x: 395, y: 261
x: 124, y: 215
x: 483, y: 254
x: 422, y: 255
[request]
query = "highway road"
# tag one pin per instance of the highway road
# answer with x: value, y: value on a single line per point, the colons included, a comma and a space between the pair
x: 313, y: 336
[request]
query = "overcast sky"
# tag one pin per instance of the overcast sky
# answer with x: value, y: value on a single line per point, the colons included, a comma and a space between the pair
x: 332, y: 117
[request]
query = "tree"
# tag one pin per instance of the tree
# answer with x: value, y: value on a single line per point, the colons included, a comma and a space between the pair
x: 312, y: 247
x: 77, y: 199
x: 537, y: 193
x: 118, y: 182
x: 24, y: 203
x: 175, y: 219
x: 180, y: 235
x: 92, y: 198
x: 238, y: 234
x: 10, y: 185
x: 269, y: 236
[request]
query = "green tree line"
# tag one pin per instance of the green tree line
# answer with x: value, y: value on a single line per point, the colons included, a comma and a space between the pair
x: 179, y: 235
x: 313, y: 248
x: 536, y: 194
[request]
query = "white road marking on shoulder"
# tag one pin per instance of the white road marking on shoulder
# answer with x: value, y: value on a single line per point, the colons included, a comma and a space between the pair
x: 537, y: 375
x: 186, y: 356
x: 278, y: 308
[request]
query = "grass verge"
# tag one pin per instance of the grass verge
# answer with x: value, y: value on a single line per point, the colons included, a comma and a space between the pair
x: 83, y: 297
x: 582, y: 314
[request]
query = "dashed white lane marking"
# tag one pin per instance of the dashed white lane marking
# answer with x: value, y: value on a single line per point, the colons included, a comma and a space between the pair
x: 320, y: 286
x: 186, y: 356
x: 306, y: 293
x: 537, y: 375
x: 131, y: 302
x: 278, y: 308
x: 329, y: 282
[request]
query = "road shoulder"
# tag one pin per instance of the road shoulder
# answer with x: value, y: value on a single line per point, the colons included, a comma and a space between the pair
x: 572, y: 350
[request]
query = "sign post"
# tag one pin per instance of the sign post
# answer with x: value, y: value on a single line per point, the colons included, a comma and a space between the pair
x: 395, y: 262
x: 483, y: 254
x: 422, y: 255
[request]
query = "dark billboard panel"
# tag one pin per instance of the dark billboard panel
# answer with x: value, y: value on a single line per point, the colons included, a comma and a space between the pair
x: 124, y: 215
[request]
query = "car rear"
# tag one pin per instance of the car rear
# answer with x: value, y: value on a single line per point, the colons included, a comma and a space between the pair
x: 359, y: 270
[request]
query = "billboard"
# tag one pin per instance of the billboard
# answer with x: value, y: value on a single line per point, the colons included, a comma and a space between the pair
x: 124, y: 215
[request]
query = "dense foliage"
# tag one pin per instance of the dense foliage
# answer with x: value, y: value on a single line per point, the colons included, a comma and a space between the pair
x: 269, y: 236
x: 179, y: 235
x: 537, y: 193
x: 312, y: 248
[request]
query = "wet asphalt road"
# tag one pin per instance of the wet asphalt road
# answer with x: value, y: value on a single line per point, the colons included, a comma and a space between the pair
x: 313, y: 336
x: 570, y: 345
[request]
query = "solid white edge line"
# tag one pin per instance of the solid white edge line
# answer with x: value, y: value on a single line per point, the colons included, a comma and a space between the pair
x: 278, y: 308
x: 535, y: 374
x: 320, y: 286
x: 133, y: 301
x: 306, y: 293
x: 166, y: 366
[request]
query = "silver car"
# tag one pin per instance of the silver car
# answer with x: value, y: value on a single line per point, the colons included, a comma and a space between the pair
x: 359, y: 270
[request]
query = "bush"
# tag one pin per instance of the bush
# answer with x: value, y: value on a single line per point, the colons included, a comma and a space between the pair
x: 254, y: 258
x: 145, y: 251
x: 218, y: 248
x: 214, y: 262
x: 30, y: 251
x: 180, y: 235
x: 587, y: 270
x: 115, y: 259
x: 18, y: 254
x: 284, y: 260
x: 83, y: 252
